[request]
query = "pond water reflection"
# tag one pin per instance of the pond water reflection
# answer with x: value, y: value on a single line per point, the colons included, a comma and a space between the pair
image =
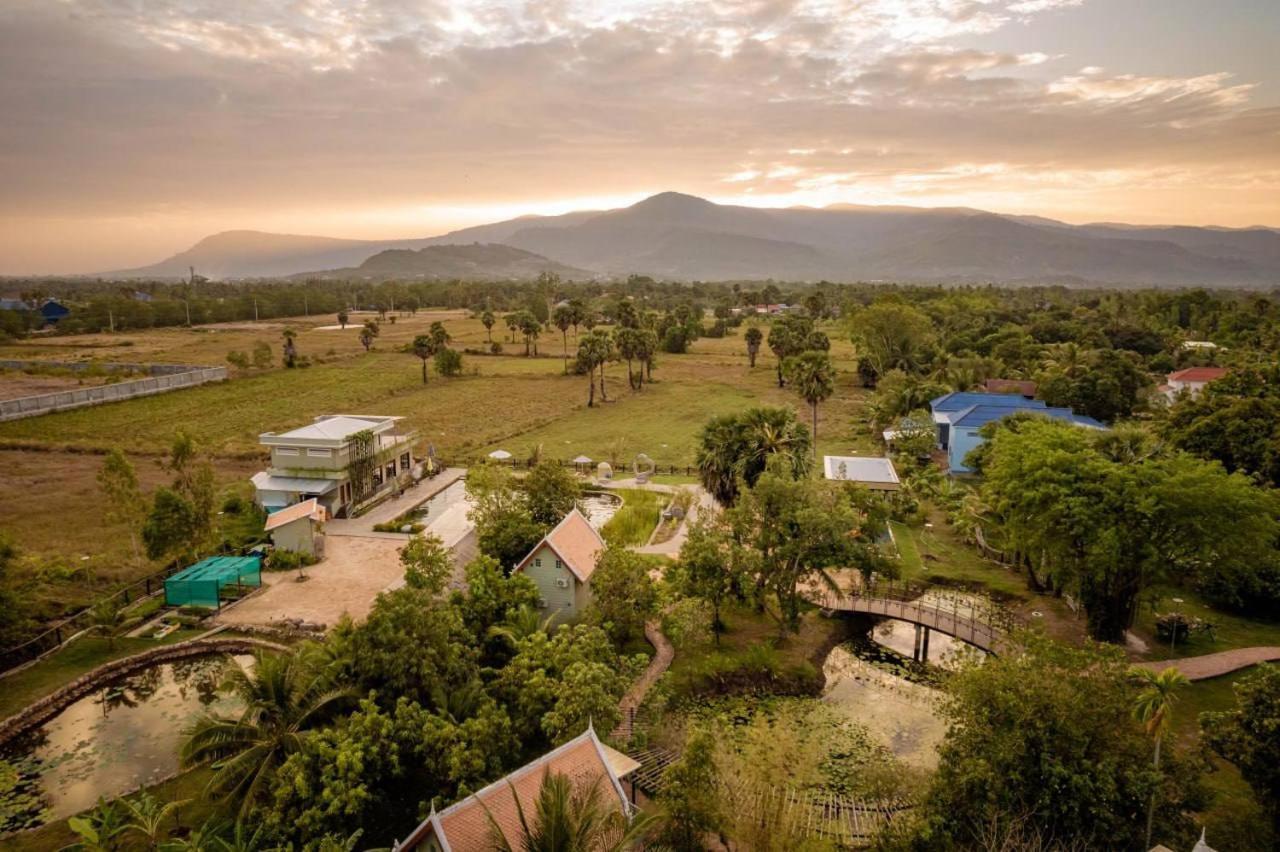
x: 121, y: 737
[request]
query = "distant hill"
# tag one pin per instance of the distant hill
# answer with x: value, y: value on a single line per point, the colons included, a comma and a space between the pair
x: 473, y: 262
x: 682, y: 237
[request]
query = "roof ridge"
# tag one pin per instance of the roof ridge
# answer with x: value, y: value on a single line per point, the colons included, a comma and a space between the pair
x: 521, y: 771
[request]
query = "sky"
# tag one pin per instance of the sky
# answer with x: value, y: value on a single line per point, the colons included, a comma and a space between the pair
x: 130, y: 129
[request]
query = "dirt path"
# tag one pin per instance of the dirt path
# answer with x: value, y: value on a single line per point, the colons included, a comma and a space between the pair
x: 1214, y: 665
x: 661, y: 661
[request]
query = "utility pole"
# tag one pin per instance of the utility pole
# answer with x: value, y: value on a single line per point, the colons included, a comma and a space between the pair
x: 186, y: 303
x: 111, y: 320
x: 255, y: 308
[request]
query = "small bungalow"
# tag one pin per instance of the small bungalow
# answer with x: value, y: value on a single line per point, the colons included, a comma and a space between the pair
x: 469, y: 825
x: 297, y: 527
x: 561, y: 566
x: 960, y: 415
x: 877, y: 474
x: 1190, y: 381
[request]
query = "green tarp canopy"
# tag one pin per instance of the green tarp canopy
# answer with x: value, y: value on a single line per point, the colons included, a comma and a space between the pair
x: 201, y: 584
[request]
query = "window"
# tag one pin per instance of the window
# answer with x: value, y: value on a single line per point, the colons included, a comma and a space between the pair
x: 405, y: 462
x: 287, y: 451
x: 559, y: 564
x: 377, y: 478
x: 319, y: 453
x: 537, y: 562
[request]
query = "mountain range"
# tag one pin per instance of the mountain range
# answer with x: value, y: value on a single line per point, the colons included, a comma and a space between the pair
x: 682, y: 237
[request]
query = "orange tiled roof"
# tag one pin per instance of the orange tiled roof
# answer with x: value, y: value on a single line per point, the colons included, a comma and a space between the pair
x: 465, y: 826
x: 1198, y: 374
x: 576, y: 542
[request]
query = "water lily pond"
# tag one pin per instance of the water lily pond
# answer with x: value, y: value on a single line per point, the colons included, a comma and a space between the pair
x: 109, y: 743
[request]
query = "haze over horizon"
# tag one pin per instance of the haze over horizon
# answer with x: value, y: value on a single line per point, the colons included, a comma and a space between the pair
x: 133, y: 130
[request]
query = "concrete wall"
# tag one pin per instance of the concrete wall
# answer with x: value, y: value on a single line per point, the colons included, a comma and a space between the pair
x: 180, y: 377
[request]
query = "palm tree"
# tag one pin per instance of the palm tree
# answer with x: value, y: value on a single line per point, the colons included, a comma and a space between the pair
x: 284, y: 700
x: 424, y: 347
x: 107, y: 619
x: 487, y: 319
x: 569, y: 820
x: 290, y: 348
x: 813, y: 377
x: 149, y: 817
x: 1154, y: 709
x: 754, y: 338
x: 368, y: 333
x: 562, y: 318
x: 342, y: 318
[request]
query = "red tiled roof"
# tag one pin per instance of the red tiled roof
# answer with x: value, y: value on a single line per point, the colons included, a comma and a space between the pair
x: 1199, y: 374
x: 465, y: 826
x: 576, y: 542
x: 1019, y: 386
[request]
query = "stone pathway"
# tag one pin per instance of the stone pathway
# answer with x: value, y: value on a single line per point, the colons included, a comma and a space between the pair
x: 631, y: 702
x: 1215, y: 665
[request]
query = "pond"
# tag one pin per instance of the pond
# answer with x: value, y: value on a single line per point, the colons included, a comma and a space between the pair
x: 111, y: 742
x: 599, y: 507
x: 897, y: 710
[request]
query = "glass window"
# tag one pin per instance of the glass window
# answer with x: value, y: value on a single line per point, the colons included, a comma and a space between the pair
x: 537, y: 562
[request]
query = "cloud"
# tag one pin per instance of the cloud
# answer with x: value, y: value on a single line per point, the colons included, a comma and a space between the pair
x: 238, y: 115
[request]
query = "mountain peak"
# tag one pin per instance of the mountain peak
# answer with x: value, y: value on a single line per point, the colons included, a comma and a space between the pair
x: 671, y: 202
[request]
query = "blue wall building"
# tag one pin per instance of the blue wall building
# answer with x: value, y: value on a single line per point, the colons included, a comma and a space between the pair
x: 959, y: 415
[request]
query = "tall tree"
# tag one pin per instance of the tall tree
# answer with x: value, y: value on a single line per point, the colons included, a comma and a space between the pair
x: 754, y: 337
x: 562, y: 318
x: 427, y: 563
x: 290, y: 349
x: 813, y: 377
x: 424, y: 347
x: 487, y: 319
x: 1153, y: 707
x: 891, y: 335
x: 125, y: 504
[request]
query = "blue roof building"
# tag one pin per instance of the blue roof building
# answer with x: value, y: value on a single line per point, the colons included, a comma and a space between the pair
x: 959, y: 415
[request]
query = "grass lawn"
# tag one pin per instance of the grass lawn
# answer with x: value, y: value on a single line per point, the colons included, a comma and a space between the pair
x: 19, y: 690
x: 637, y: 519
x: 188, y: 785
x: 1232, y: 631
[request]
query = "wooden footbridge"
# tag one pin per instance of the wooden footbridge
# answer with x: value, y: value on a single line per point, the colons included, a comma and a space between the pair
x: 971, y: 623
x: 846, y: 821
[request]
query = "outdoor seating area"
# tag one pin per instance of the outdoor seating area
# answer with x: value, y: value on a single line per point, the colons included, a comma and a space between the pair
x: 203, y: 583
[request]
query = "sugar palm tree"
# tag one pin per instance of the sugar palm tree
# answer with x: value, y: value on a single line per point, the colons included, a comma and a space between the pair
x: 284, y: 700
x: 1154, y: 709
x: 424, y: 347
x: 569, y: 820
x: 813, y: 377
x: 754, y: 338
x: 487, y: 319
x: 562, y: 318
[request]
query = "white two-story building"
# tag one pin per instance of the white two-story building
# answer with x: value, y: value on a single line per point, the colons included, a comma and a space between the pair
x: 342, y: 460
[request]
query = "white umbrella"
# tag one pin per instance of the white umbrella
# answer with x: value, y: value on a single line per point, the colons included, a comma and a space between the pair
x: 500, y: 455
x: 582, y: 460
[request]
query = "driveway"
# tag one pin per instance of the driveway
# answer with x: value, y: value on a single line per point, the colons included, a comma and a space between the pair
x: 354, y: 570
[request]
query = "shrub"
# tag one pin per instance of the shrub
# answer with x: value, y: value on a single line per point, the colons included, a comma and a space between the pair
x: 448, y: 362
x: 281, y: 559
x: 496, y: 348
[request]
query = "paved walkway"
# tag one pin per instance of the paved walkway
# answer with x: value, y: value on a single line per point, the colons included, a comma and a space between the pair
x: 630, y: 703
x: 395, y: 507
x: 1215, y: 665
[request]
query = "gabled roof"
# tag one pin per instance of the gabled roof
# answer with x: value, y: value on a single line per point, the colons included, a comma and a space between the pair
x: 465, y: 826
x: 575, y: 541
x: 1198, y: 374
x: 296, y: 512
x: 960, y: 400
